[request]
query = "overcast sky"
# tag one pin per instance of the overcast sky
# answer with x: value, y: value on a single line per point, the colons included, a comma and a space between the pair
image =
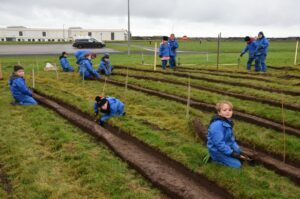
x: 277, y: 18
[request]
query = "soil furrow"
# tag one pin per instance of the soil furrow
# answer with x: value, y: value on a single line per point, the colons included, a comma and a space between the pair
x: 167, y: 174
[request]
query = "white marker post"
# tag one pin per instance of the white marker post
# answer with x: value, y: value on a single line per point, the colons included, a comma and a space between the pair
x: 103, y: 89
x: 296, y: 53
x: 155, y: 54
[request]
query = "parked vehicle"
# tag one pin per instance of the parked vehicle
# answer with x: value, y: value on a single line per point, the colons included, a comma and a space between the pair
x: 88, y: 43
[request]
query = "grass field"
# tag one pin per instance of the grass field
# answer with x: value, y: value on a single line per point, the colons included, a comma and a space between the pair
x: 58, y: 152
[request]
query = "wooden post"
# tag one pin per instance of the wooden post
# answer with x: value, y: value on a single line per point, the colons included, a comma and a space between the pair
x: 1, y: 74
x: 283, y: 129
x: 37, y: 67
x: 126, y: 84
x: 238, y: 62
x: 56, y: 72
x: 143, y: 58
x: 103, y: 89
x: 155, y: 54
x: 218, y: 55
x: 207, y: 57
x: 296, y: 53
x: 33, y: 78
x: 188, y: 99
x: 179, y: 61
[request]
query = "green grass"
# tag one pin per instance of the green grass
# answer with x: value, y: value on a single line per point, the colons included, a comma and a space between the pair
x: 175, y: 136
x: 46, y: 157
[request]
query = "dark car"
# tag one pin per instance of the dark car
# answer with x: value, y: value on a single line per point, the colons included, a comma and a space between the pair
x: 88, y: 43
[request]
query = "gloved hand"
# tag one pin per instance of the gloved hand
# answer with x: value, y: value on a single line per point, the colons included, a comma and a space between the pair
x: 235, y: 155
x: 241, y: 55
x: 160, y: 56
x: 101, y: 123
x: 123, y: 114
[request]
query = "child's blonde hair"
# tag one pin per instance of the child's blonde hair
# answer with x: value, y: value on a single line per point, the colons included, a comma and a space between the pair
x: 219, y: 105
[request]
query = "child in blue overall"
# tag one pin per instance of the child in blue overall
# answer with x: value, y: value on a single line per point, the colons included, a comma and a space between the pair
x: 65, y: 63
x: 221, y: 143
x: 18, y: 88
x: 164, y: 52
x: 105, y: 67
x: 251, y: 48
x: 109, y: 106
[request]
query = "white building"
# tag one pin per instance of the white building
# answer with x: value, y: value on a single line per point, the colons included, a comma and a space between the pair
x: 21, y: 33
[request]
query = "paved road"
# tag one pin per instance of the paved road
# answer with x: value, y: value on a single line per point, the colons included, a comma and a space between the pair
x: 44, y: 49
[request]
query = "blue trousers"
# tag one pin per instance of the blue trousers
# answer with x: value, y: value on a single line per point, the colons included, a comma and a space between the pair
x: 164, y: 64
x: 261, y: 63
x: 172, y: 62
x: 225, y: 160
x: 249, y: 62
x: 27, y: 100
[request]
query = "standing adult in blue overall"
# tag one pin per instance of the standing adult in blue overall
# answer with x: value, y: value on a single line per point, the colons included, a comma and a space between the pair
x: 250, y: 48
x: 66, y: 66
x: 261, y: 52
x: 173, y: 46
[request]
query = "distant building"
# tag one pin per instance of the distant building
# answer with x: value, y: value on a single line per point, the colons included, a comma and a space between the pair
x: 21, y: 33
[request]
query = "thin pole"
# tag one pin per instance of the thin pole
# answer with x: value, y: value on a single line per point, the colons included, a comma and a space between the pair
x: 129, y: 34
x: 103, y: 90
x: 283, y: 129
x: 218, y: 56
x: 33, y: 78
x: 207, y: 57
x: 189, y: 98
x: 56, y: 72
x: 155, y: 54
x: 1, y: 74
x: 143, y: 58
x: 296, y: 53
x: 126, y: 84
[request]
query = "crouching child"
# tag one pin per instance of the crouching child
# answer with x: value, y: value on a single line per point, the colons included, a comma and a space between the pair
x: 109, y: 106
x: 18, y: 88
x: 221, y: 143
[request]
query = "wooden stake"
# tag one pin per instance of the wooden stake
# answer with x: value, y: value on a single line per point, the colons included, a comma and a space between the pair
x: 56, y: 72
x: 126, y: 84
x: 33, y: 78
x: 218, y: 55
x: 1, y: 74
x: 188, y: 99
x: 206, y: 57
x: 155, y: 54
x: 283, y: 129
x: 143, y: 58
x: 296, y: 53
x: 103, y: 90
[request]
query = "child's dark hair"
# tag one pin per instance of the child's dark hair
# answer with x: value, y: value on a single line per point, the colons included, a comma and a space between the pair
x: 18, y: 67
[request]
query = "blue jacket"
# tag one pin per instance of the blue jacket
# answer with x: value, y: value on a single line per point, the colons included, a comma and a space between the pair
x: 116, y: 108
x: 87, y: 69
x: 262, y: 46
x: 65, y: 64
x: 220, y: 138
x: 164, y: 50
x: 251, y: 47
x: 173, y: 46
x: 18, y: 88
x: 106, y: 67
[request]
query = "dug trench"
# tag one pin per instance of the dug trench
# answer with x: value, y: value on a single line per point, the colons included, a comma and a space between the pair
x: 295, y: 107
x: 292, y: 93
x: 155, y: 165
x: 280, y: 167
x: 165, y: 173
x: 210, y: 107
